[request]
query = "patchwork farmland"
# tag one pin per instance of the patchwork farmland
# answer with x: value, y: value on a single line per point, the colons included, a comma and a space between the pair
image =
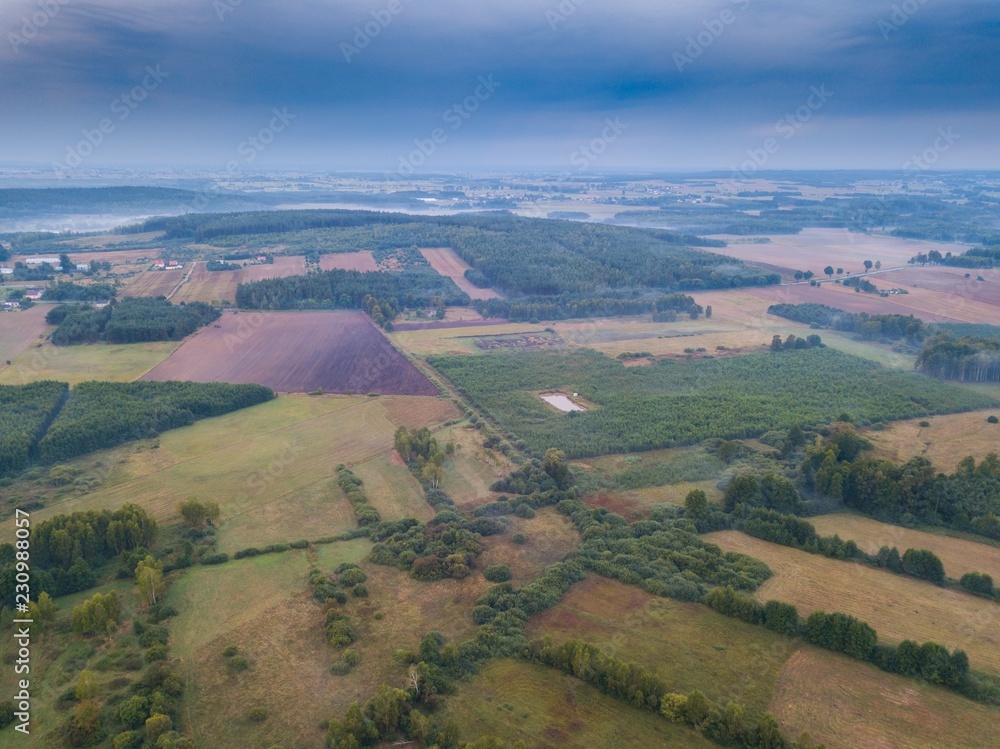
x: 296, y: 352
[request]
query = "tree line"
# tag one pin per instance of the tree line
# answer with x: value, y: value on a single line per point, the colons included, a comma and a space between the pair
x: 25, y: 414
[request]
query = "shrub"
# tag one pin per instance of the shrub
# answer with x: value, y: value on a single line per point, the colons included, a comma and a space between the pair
x: 497, y: 573
x: 923, y: 564
x: 993, y: 420
x: 239, y: 663
x: 220, y: 558
x: 257, y: 715
x: 351, y: 577
x: 230, y: 651
x: 519, y: 538
x: 132, y: 713
x: 977, y: 583
x: 128, y: 740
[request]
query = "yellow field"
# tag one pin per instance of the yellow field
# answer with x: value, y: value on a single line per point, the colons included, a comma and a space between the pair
x: 546, y: 709
x: 898, y: 607
x: 98, y: 361
x: 20, y: 329
x: 945, y: 442
x: 957, y: 554
x: 845, y: 704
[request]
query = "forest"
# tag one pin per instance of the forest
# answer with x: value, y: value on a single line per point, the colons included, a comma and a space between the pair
x: 869, y: 327
x: 965, y: 359
x: 67, y: 291
x: 129, y: 320
x: 25, y: 413
x: 673, y: 403
x: 47, y: 421
x: 348, y: 289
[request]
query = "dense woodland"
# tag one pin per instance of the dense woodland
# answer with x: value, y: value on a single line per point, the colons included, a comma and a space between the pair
x: 35, y: 423
x: 25, y: 413
x: 129, y: 320
x: 673, y: 403
x: 67, y: 291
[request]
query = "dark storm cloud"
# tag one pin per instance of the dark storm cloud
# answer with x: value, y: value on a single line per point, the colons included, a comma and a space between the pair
x: 366, y: 74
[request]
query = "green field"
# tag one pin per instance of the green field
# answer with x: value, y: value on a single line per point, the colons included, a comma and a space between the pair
x: 675, y: 403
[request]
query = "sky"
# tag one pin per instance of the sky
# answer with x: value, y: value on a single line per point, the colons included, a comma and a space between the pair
x: 441, y: 85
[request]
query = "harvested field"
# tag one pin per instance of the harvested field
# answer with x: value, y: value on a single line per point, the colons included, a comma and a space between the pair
x: 898, y: 607
x: 155, y: 283
x: 361, y: 261
x: 517, y: 701
x: 845, y: 298
x: 814, y: 248
x: 339, y: 352
x: 209, y: 286
x: 457, y: 339
x: 392, y: 489
x: 958, y: 555
x: 952, y: 281
x: 447, y: 263
x: 116, y: 257
x: 844, y: 704
x: 19, y: 329
x: 283, y: 265
x: 445, y: 324
x: 947, y: 440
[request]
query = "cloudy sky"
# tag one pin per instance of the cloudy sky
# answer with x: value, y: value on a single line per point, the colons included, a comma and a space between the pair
x: 364, y: 84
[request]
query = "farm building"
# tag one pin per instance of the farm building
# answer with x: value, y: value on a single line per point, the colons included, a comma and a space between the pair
x: 41, y: 260
x: 33, y: 292
x: 6, y: 271
x: 83, y: 267
x: 159, y: 264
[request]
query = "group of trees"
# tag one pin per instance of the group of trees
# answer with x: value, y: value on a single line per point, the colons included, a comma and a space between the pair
x: 216, y: 265
x: 351, y: 485
x: 870, y: 327
x: 67, y: 291
x: 65, y: 549
x: 964, y: 359
x: 793, y: 343
x: 130, y: 320
x: 420, y: 450
x: 104, y: 414
x: 914, y: 492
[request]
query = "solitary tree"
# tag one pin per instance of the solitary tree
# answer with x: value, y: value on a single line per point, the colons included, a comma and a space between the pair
x: 149, y: 579
x: 798, y: 275
x: 878, y: 265
x: 868, y: 265
x: 696, y: 503
x: 828, y: 270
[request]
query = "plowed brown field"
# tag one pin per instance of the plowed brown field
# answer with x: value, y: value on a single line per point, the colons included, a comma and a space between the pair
x: 339, y: 352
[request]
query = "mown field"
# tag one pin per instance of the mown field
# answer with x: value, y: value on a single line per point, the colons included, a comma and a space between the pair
x: 840, y: 702
x: 518, y: 701
x: 679, y: 403
x: 447, y: 263
x: 897, y: 606
x: 262, y: 606
x: 109, y: 362
x: 269, y: 467
x: 958, y: 555
x: 20, y: 329
x: 947, y: 440
x: 338, y: 352
x: 847, y: 704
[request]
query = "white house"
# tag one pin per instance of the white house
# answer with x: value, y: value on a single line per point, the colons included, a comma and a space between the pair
x: 6, y: 271
x: 83, y: 266
x: 40, y: 260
